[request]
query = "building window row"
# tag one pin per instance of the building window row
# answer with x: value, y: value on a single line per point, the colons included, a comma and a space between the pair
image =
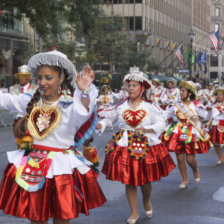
x: 122, y: 1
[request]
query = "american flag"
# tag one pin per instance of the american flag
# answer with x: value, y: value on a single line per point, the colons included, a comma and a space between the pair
x: 215, y: 40
x: 179, y: 55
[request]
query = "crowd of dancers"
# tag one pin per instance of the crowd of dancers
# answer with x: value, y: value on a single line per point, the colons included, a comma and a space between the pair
x: 48, y: 177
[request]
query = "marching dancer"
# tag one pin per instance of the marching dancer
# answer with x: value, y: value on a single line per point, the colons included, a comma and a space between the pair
x: 169, y: 95
x: 135, y: 155
x: 48, y: 177
x: 200, y: 93
x: 24, y: 86
x: 209, y: 93
x: 104, y: 101
x: 186, y: 135
x: 156, y: 91
x: 217, y: 123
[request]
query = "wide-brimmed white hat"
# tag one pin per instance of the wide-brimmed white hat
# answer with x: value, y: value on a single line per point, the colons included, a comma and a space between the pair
x: 139, y: 77
x: 52, y: 58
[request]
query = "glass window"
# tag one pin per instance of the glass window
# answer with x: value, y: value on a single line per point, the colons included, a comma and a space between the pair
x: 213, y: 75
x: 214, y: 60
x: 117, y: 1
x: 131, y: 23
x: 139, y: 1
x: 217, y: 11
x: 223, y: 61
x: 216, y: 27
x: 138, y: 23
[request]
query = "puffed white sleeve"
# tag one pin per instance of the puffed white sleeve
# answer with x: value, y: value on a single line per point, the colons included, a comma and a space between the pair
x: 157, y: 122
x: 204, y: 114
x: 168, y: 113
x: 14, y: 103
x: 108, y: 121
x: 77, y: 102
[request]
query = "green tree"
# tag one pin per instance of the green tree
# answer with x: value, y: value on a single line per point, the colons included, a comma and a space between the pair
x: 107, y: 44
x: 46, y: 16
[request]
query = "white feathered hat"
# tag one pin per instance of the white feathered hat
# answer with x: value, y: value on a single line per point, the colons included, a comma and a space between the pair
x: 52, y: 58
x: 139, y: 77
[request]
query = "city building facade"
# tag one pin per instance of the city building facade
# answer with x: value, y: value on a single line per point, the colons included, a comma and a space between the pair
x: 165, y: 24
x: 160, y: 24
x: 201, y: 24
x: 16, y: 39
x: 217, y: 60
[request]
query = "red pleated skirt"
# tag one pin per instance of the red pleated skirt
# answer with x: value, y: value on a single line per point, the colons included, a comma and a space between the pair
x: 120, y: 166
x: 177, y: 146
x: 57, y: 199
x: 216, y: 136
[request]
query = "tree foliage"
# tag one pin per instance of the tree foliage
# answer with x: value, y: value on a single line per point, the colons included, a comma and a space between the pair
x: 49, y: 16
x: 107, y: 44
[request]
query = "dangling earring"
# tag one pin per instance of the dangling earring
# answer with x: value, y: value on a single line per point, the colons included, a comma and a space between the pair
x: 59, y: 89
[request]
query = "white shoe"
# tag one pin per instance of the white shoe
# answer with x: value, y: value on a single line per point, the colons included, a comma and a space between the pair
x: 182, y: 186
x: 197, y: 180
x: 149, y: 213
x: 132, y: 221
x: 219, y: 162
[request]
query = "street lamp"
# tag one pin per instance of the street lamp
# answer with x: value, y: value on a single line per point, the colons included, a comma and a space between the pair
x: 191, y: 35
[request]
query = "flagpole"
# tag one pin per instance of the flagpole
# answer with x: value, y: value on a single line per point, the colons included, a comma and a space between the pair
x: 191, y: 35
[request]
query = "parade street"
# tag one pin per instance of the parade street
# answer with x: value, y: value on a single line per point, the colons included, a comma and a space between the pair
x: 198, y: 204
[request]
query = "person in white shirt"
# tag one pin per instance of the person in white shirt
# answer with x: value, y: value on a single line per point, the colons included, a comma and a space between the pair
x: 24, y: 87
x: 157, y: 91
x: 47, y: 177
x: 135, y: 155
x: 169, y: 94
x: 208, y: 93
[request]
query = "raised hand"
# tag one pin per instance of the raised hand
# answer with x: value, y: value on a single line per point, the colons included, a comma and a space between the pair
x: 86, y: 78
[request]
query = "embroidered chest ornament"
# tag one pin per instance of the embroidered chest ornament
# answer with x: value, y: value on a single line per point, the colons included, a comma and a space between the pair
x: 43, y: 120
x: 105, y: 99
x: 134, y: 118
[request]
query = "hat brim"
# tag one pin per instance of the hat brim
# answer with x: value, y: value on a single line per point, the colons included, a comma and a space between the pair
x: 218, y: 90
x: 51, y: 59
x: 187, y: 86
x: 22, y: 74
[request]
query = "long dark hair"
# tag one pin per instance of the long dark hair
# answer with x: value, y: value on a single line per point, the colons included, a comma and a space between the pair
x: 21, y: 126
x: 192, y: 96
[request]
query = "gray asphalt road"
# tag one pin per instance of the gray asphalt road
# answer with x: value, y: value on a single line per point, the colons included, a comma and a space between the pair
x: 198, y: 204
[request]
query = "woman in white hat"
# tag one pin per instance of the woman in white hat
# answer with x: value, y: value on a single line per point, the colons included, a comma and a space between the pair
x: 217, y: 123
x: 185, y: 135
x: 135, y: 155
x: 47, y: 176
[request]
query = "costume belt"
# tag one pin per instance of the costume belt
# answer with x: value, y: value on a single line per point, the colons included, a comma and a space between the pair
x: 50, y: 149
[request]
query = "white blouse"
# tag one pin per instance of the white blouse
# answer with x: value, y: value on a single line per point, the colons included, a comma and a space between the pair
x: 74, y: 115
x: 152, y: 120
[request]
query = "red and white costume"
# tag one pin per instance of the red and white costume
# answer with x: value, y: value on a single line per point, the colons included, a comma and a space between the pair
x: 208, y: 94
x: 52, y: 179
x: 169, y: 96
x: 217, y: 123
x: 186, y: 133
x: 136, y: 159
x: 156, y: 94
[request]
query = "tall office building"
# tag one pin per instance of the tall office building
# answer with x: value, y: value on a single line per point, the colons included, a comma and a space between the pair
x: 217, y: 61
x: 163, y: 24
x: 201, y: 24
